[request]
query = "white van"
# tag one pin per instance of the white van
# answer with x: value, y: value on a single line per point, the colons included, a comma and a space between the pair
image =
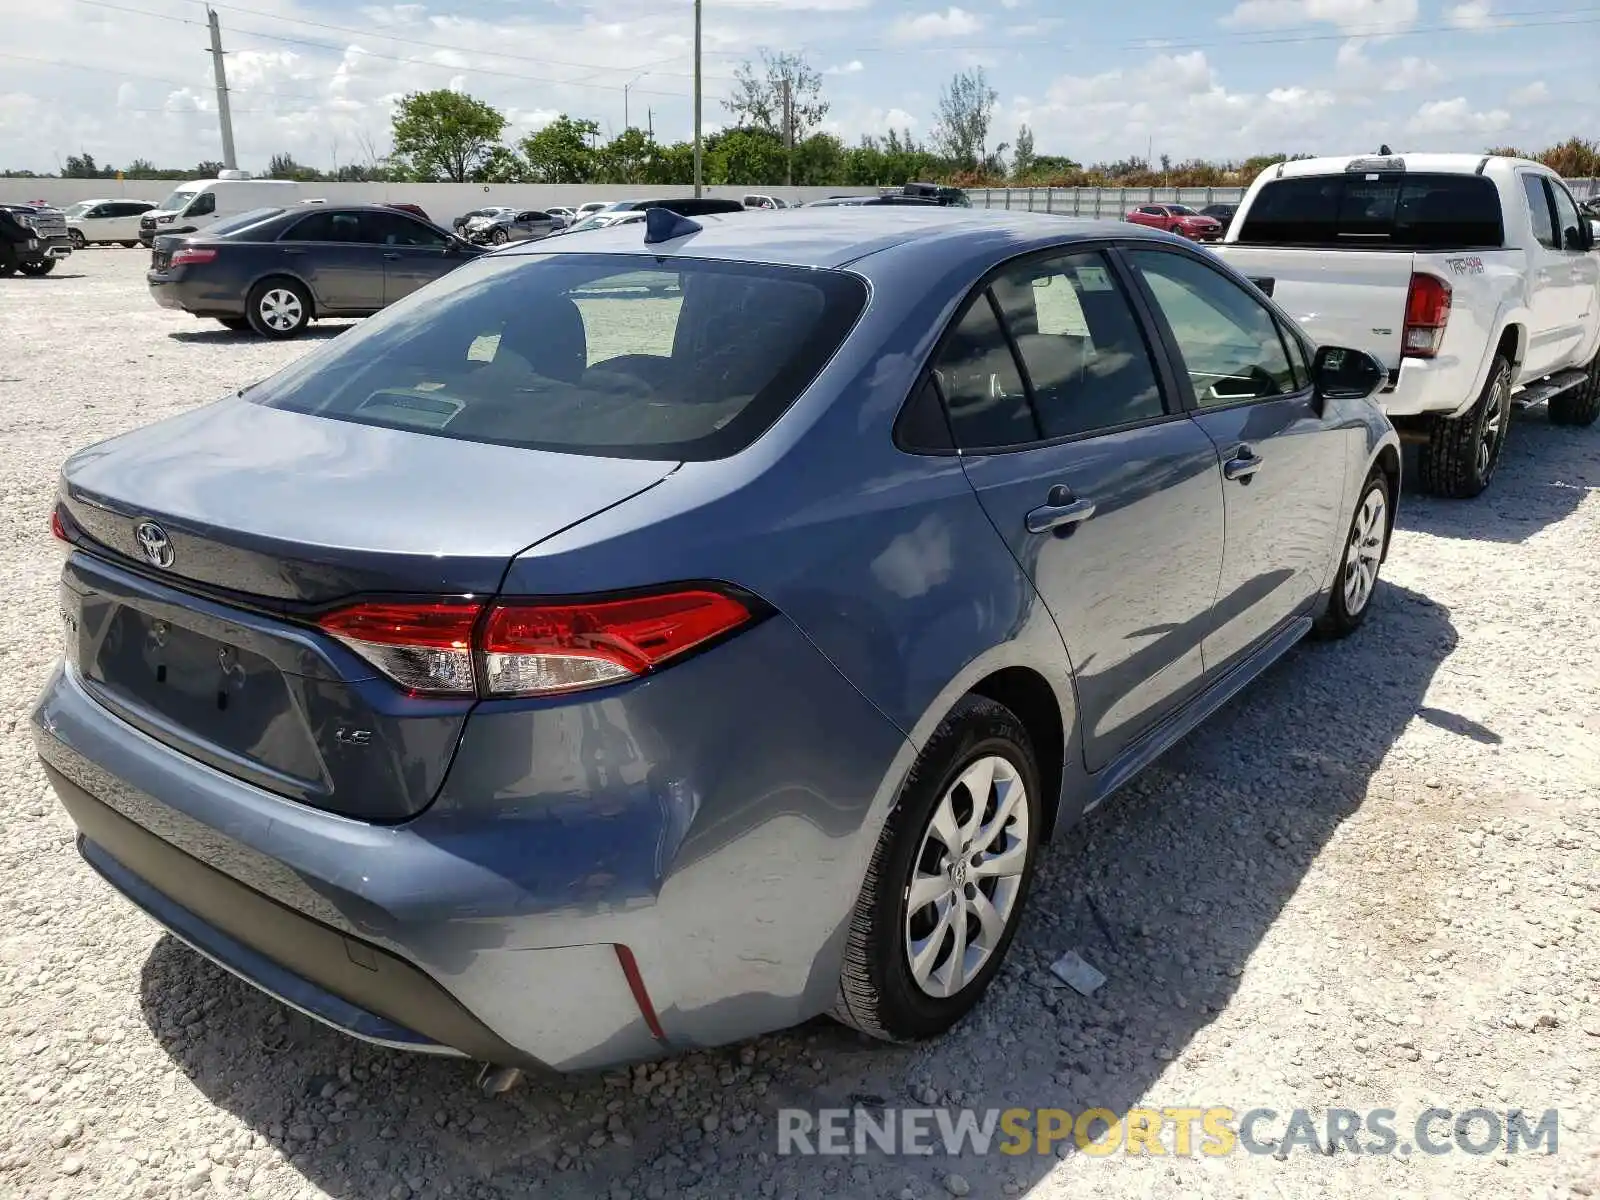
x: 201, y: 202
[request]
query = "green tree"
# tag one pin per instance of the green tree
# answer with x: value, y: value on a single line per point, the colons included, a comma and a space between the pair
x: 671, y: 166
x: 965, y: 108
x: 205, y: 169
x: 283, y: 166
x: 745, y: 157
x: 758, y: 95
x: 446, y: 133
x: 502, y: 165
x: 82, y: 166
x: 1022, y: 158
x: 627, y: 157
x: 562, y: 152
x: 819, y: 161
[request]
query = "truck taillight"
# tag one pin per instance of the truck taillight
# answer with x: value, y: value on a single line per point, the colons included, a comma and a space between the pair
x: 534, y: 648
x: 1427, y: 312
x: 191, y: 254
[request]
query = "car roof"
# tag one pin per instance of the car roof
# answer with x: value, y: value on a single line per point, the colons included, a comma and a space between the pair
x: 833, y: 237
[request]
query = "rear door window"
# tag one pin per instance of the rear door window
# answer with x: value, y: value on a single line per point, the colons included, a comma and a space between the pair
x: 1544, y: 227
x: 326, y: 226
x: 613, y: 355
x: 1081, y: 344
x: 983, y: 390
x: 1376, y: 209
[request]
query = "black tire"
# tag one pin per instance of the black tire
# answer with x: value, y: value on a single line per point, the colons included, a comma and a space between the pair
x: 1462, y: 454
x: 270, y: 294
x: 237, y: 324
x: 7, y: 269
x: 878, y: 994
x: 1580, y: 405
x: 130, y: 245
x: 1348, y: 606
x: 76, y: 237
x: 499, y: 237
x: 37, y: 267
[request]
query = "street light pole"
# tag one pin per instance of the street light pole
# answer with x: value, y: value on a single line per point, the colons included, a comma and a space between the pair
x: 697, y: 97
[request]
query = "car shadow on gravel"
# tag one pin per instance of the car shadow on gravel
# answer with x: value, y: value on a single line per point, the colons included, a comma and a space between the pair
x: 1169, y: 889
x: 224, y: 337
x: 1544, y: 474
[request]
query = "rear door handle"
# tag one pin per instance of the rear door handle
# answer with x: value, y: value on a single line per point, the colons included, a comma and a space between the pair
x: 392, y: 256
x: 1063, y: 509
x: 292, y: 250
x: 1244, y: 463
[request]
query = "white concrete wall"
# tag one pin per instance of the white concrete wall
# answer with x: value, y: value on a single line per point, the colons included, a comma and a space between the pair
x: 441, y: 201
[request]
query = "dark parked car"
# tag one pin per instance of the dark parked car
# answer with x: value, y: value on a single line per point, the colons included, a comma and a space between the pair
x: 893, y: 198
x: 949, y: 197
x: 1221, y: 213
x: 684, y: 206
x: 275, y: 270
x: 33, y: 238
x: 545, y: 673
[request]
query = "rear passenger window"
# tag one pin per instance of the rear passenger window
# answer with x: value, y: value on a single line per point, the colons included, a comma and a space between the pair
x: 1544, y: 229
x: 325, y: 227
x: 982, y: 388
x: 1080, y: 343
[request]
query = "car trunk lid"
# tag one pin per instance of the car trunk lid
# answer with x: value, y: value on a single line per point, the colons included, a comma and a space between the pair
x: 202, y: 631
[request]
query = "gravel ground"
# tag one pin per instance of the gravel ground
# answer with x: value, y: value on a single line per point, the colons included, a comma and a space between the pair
x: 1371, y: 881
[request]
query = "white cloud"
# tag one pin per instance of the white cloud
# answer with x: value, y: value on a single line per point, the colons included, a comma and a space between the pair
x: 1474, y: 14
x: 1457, y: 116
x: 1350, y: 16
x: 953, y: 22
x: 1535, y: 93
x: 1359, y: 74
x: 853, y: 67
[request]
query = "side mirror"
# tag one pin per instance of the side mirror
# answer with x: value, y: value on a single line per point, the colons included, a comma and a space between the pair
x: 1594, y: 233
x: 1338, y: 373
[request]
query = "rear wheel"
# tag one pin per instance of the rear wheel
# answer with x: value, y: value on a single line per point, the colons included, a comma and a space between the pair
x: 77, y: 239
x: 945, y: 888
x: 1357, y: 580
x: 1579, y: 405
x: 278, y: 308
x: 130, y: 245
x: 39, y: 266
x: 1462, y: 454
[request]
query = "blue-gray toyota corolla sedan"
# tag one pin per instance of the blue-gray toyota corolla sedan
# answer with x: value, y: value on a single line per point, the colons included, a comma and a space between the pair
x: 645, y: 639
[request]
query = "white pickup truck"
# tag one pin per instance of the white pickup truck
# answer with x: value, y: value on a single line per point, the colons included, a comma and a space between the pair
x: 1473, y: 279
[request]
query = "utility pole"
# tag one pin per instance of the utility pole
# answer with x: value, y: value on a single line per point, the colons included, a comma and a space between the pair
x: 697, y: 97
x: 223, y: 114
x: 788, y: 135
x: 650, y: 122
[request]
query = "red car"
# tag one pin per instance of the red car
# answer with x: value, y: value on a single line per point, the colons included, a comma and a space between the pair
x: 414, y: 209
x: 1178, y: 219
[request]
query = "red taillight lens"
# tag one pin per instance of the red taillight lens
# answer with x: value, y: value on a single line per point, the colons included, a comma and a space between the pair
x: 1427, y: 313
x: 539, y: 649
x: 426, y: 647
x: 58, y: 529
x: 532, y: 649
x: 191, y: 254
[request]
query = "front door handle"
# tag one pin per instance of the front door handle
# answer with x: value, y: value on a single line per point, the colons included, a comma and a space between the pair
x: 290, y: 250
x: 392, y: 256
x: 1061, y: 510
x: 1244, y: 463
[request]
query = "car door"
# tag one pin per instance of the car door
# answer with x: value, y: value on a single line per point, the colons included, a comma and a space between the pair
x: 344, y: 273
x: 1576, y: 271
x: 1284, y: 464
x: 126, y: 216
x: 1108, y: 495
x: 413, y: 254
x: 1546, y: 277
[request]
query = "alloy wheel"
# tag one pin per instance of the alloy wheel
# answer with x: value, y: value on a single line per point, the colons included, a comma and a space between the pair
x: 1366, y: 551
x: 281, y: 309
x: 967, y: 876
x: 1492, y: 435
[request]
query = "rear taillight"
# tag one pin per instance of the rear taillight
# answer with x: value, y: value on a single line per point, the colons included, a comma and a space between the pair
x: 534, y: 649
x: 58, y: 528
x: 191, y: 254
x: 1427, y: 312
x: 424, y: 647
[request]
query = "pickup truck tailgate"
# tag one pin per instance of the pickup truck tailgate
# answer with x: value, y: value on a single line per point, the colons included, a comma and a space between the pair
x: 1354, y: 298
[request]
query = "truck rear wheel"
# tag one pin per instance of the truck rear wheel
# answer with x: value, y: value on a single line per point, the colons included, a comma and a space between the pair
x: 37, y: 266
x: 1462, y: 453
x: 1579, y: 405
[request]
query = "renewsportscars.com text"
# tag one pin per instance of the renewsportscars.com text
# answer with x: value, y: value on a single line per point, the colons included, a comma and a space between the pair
x: 1178, y: 1132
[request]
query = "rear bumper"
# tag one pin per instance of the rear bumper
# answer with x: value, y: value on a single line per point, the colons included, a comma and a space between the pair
x: 193, y: 295
x: 1441, y: 386
x: 668, y: 866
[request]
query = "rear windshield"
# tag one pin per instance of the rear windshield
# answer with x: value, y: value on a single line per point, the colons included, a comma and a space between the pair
x: 244, y: 220
x: 616, y: 355
x: 1403, y: 210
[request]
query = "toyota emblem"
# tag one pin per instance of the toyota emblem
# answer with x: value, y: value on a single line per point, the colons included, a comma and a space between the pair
x: 154, y: 542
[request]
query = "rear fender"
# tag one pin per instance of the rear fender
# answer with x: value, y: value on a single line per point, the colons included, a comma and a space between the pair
x: 263, y: 276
